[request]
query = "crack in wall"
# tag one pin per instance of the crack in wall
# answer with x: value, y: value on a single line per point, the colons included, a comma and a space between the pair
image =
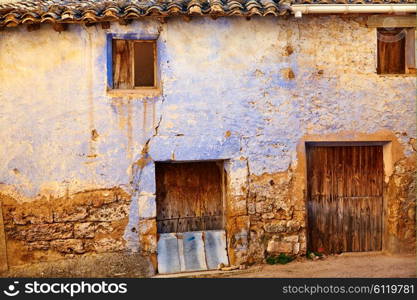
x: 132, y: 229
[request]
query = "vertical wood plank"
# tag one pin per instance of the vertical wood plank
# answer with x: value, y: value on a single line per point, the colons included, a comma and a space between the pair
x: 348, y: 171
x: 378, y: 220
x: 3, y: 249
x: 410, y: 50
x: 122, y: 64
x: 356, y: 171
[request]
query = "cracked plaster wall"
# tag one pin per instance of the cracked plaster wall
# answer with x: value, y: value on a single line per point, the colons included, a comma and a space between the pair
x: 249, y: 92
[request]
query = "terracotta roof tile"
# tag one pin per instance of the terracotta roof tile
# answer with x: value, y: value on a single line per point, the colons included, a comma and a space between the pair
x: 353, y: 1
x: 93, y: 11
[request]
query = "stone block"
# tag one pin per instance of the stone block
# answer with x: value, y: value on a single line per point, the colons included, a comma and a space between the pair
x: 282, y: 214
x: 238, y: 180
x: 291, y: 238
x: 68, y: 246
x: 110, y: 212
x: 36, y: 212
x: 281, y: 204
x: 105, y: 197
x: 237, y: 206
x: 299, y: 216
x: 238, y: 230
x: 303, y: 247
x: 276, y: 227
x: 103, y: 227
x: 302, y: 236
x: 43, y: 232
x: 293, y: 226
x: 242, y: 223
x: 108, y: 245
x: 259, y: 207
x: 251, y: 208
x: 147, y: 226
x: 69, y: 213
x: 39, y: 245
x: 276, y: 247
x: 147, y: 206
x: 145, y: 179
x: 268, y: 216
x: 148, y: 243
x: 84, y: 230
x: 296, y: 248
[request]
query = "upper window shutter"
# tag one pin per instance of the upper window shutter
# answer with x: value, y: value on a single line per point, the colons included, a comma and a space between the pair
x: 410, y: 51
x: 391, y: 51
x: 122, y: 64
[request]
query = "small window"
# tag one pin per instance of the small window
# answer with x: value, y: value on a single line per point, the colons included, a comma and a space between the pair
x: 134, y: 64
x: 396, y: 51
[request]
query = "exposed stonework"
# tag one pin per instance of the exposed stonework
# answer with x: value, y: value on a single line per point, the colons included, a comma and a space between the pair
x: 268, y: 86
x: 277, y: 216
x: 48, y: 229
x: 148, y: 237
x: 401, y: 211
x: 105, y: 265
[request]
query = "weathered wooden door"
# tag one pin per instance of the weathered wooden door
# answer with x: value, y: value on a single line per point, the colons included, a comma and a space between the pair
x: 345, y: 206
x: 191, y: 233
x: 189, y: 197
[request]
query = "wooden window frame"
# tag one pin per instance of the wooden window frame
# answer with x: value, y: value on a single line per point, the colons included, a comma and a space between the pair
x: 409, y: 55
x: 145, y: 91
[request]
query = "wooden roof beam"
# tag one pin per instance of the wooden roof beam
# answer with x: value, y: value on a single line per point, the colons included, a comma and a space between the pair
x: 59, y: 27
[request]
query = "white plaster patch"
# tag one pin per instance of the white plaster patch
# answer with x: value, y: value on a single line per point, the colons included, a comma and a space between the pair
x: 238, y: 179
x: 130, y: 235
x: 147, y: 207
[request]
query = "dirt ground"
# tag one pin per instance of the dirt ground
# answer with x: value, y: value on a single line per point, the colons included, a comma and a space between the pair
x: 343, y: 265
x: 374, y: 264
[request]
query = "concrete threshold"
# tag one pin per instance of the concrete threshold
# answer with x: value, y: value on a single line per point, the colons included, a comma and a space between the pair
x: 364, y: 253
x: 208, y: 274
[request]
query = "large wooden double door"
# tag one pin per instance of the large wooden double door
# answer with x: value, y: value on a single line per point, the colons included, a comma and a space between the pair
x: 345, y: 198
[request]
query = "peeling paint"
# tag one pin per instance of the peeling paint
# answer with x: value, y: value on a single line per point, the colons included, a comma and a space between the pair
x: 246, y: 92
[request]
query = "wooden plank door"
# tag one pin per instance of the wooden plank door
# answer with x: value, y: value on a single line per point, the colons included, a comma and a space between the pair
x: 189, y: 205
x: 189, y: 197
x: 345, y: 187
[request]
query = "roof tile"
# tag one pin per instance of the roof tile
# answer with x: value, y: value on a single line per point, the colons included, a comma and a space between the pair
x: 93, y: 11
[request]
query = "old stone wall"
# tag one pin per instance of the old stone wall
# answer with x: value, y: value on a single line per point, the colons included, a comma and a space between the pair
x: 48, y: 228
x: 401, y: 213
x: 85, y: 228
x: 77, y: 161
